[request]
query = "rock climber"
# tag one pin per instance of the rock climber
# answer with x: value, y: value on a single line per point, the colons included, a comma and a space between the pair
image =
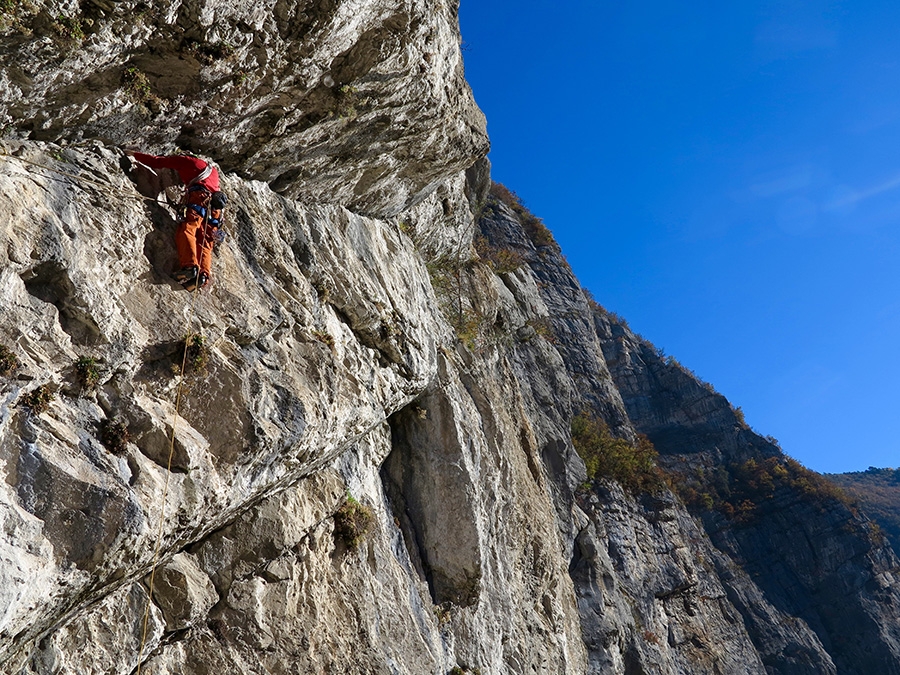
x: 201, y: 215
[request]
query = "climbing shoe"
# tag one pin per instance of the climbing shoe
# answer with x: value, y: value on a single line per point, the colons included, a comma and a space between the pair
x: 196, y: 282
x: 185, y: 275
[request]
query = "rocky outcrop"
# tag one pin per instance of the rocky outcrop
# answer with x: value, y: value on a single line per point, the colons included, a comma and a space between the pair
x: 803, y: 542
x: 362, y: 104
x: 698, y: 433
x: 291, y: 340
x: 367, y: 465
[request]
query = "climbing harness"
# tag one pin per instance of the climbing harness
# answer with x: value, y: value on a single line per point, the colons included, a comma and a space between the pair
x: 209, y: 206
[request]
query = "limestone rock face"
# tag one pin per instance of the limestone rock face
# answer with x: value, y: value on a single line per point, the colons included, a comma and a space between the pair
x: 362, y: 104
x: 300, y: 295
x: 183, y: 591
x: 178, y: 469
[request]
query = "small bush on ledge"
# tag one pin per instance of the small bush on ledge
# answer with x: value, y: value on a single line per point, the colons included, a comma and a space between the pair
x: 114, y: 435
x: 88, y: 372
x: 195, y: 353
x: 352, y: 523
x: 459, y: 670
x: 8, y: 361
x: 605, y: 456
x: 38, y: 399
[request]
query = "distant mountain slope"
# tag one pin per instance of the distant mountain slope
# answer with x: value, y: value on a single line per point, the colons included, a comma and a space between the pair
x: 879, y: 492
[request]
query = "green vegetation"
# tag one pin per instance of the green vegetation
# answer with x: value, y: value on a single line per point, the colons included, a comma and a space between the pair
x: 38, y: 399
x: 9, y: 362
x: 114, y: 435
x: 534, y: 227
x: 69, y: 28
x: 88, y: 373
x: 8, y: 15
x: 738, y: 490
x: 500, y: 260
x: 878, y: 492
x: 469, y: 327
x: 352, y: 523
x: 137, y: 86
x: 13, y: 14
x: 446, y: 278
x: 605, y: 456
x: 194, y: 353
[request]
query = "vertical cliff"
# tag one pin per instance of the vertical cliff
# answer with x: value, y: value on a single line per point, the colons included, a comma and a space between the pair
x: 374, y: 468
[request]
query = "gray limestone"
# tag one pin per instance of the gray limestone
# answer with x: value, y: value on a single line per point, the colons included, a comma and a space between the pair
x: 364, y: 345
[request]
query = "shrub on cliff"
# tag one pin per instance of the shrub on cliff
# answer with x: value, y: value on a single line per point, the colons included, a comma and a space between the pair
x: 8, y: 361
x: 605, y: 456
x: 352, y: 522
x: 87, y: 372
x: 194, y: 353
x: 739, y: 489
x: 114, y: 435
x: 38, y: 399
x: 534, y: 227
x: 451, y: 279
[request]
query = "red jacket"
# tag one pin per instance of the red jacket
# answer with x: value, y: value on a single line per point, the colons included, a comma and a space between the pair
x: 188, y: 168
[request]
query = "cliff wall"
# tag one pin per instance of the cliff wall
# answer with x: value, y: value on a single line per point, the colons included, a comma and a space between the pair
x: 385, y: 342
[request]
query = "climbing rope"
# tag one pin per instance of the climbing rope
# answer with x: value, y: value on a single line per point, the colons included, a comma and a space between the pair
x: 162, y: 514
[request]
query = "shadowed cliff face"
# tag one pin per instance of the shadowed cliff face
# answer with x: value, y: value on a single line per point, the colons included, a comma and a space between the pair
x: 803, y: 542
x: 423, y: 370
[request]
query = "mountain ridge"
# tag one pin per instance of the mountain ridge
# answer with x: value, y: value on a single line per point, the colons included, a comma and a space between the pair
x: 878, y: 491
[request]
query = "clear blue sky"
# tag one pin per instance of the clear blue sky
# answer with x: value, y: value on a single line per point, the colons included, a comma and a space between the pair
x: 726, y: 176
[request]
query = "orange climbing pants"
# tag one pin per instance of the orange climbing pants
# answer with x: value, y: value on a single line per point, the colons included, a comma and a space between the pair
x: 193, y: 240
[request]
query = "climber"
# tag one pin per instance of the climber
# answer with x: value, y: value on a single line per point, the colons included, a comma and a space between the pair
x: 201, y: 214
